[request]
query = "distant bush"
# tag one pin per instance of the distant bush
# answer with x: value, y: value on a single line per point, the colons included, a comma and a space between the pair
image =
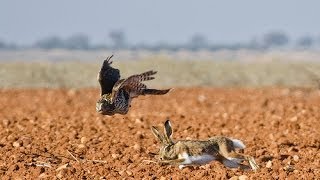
x: 117, y: 40
x: 78, y: 41
x: 275, y: 39
x: 305, y: 42
x: 53, y: 42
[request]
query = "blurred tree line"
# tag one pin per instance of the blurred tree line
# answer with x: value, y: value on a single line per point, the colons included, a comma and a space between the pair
x: 118, y: 40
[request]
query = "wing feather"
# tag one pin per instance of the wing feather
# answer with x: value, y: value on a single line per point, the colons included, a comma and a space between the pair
x: 133, y: 82
x: 108, y: 76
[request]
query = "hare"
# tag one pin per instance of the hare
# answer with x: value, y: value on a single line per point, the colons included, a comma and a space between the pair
x: 199, y: 152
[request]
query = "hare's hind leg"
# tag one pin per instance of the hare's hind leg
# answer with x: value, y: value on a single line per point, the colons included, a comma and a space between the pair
x: 239, y: 158
x: 234, y: 163
x: 252, y: 163
x: 233, y: 159
x: 230, y: 163
x: 229, y: 158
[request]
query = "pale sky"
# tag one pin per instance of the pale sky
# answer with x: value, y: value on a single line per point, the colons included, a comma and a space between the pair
x: 173, y: 21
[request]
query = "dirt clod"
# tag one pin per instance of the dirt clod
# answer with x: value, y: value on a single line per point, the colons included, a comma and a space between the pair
x: 269, y: 164
x: 16, y: 144
x: 296, y: 158
x: 243, y: 177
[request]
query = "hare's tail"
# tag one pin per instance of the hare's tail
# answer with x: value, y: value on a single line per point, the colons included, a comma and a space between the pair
x: 238, y: 144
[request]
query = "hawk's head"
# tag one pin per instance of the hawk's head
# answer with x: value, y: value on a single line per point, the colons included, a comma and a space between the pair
x: 105, y: 105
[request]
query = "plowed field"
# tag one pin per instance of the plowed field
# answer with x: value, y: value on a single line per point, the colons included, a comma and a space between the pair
x: 56, y: 133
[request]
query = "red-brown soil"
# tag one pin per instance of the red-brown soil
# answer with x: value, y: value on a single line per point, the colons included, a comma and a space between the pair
x: 47, y: 133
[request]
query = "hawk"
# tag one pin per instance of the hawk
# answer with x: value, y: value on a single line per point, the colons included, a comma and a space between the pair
x: 117, y: 94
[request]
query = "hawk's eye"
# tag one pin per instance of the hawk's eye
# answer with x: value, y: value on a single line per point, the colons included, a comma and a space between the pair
x: 102, y: 101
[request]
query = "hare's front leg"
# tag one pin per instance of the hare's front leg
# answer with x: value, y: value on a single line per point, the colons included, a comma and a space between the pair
x: 234, y: 160
x: 179, y: 162
x: 172, y: 162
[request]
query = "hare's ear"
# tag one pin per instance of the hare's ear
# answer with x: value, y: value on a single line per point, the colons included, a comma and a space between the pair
x: 168, y: 131
x: 157, y: 134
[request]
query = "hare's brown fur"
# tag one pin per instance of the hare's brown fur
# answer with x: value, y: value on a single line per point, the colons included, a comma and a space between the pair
x: 190, y: 152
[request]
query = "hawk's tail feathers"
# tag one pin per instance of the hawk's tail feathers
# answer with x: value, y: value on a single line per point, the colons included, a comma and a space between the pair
x: 155, y: 91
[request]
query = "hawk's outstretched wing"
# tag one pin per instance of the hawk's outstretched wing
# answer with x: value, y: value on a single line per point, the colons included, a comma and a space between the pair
x: 108, y: 76
x: 133, y: 83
